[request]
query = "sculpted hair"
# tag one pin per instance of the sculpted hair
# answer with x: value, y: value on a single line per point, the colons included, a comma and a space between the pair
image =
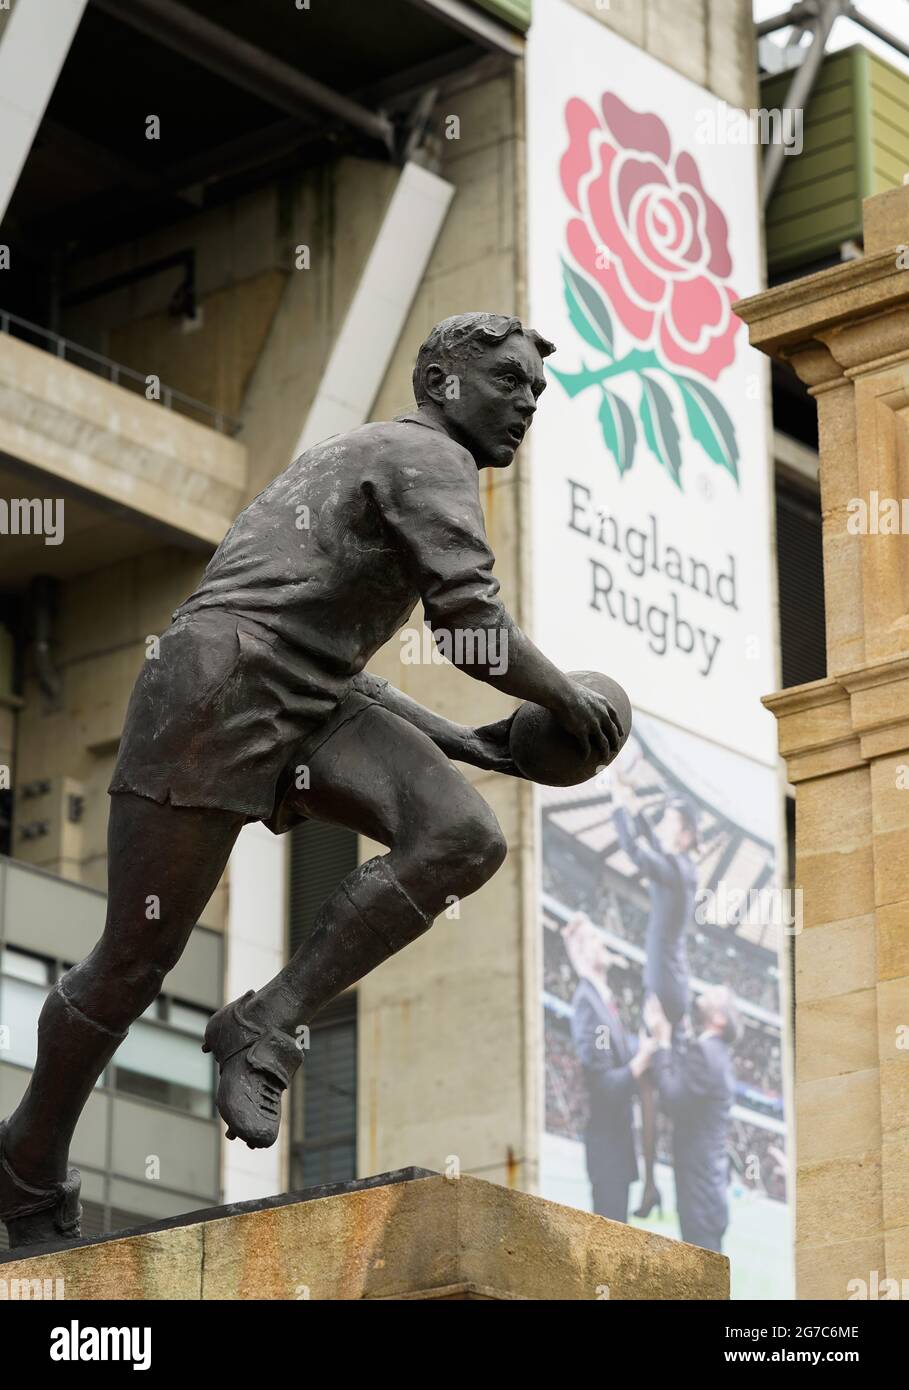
x: 453, y: 341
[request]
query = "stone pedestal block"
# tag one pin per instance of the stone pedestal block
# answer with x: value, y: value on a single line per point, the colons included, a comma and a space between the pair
x: 404, y: 1235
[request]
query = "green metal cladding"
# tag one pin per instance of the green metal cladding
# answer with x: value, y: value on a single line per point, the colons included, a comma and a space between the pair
x: 517, y: 13
x: 856, y: 143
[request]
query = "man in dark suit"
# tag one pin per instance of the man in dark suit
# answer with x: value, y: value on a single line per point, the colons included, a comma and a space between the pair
x: 662, y: 854
x: 612, y: 1062
x: 695, y: 1081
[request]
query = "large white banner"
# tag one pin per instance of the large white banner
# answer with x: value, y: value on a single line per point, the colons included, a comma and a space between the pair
x: 651, y: 494
x: 650, y: 453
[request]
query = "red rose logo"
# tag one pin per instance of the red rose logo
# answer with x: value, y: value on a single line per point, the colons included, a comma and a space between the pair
x: 649, y: 234
x: 655, y: 246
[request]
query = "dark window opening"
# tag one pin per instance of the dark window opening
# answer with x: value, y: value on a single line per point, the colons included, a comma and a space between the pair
x: 324, y: 1101
x: 190, y: 1099
x: 801, y: 584
x: 323, y: 1097
x: 320, y: 857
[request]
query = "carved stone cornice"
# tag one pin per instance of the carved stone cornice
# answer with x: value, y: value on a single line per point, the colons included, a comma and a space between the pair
x: 844, y: 722
x: 791, y: 314
x: 815, y: 731
x: 879, y: 705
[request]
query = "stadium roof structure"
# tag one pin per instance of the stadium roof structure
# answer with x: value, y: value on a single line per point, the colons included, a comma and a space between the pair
x: 244, y: 93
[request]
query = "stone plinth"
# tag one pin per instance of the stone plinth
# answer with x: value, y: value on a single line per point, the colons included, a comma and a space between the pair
x: 845, y: 739
x: 405, y: 1235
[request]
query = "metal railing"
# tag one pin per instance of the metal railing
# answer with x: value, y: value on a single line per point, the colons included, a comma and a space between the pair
x: 117, y: 373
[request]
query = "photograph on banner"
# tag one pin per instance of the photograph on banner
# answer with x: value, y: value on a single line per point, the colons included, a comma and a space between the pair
x: 651, y: 466
x: 663, y: 932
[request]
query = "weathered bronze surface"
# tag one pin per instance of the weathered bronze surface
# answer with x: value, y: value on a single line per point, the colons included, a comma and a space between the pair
x: 257, y: 707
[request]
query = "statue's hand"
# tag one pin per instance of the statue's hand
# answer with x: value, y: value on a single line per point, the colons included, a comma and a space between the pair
x: 487, y: 747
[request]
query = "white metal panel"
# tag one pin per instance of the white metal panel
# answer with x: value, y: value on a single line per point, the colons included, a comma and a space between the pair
x: 33, y: 49
x: 255, y: 953
x: 381, y: 303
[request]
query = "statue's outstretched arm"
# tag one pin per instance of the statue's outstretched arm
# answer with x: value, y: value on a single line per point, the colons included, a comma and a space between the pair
x: 486, y: 746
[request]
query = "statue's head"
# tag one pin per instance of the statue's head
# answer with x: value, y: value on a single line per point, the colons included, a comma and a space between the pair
x: 484, y: 374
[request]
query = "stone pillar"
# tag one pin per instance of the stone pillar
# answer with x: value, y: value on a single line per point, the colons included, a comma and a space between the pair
x: 845, y: 740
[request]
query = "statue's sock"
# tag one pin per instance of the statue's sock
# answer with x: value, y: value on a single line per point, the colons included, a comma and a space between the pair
x: 72, y: 1053
x: 368, y: 918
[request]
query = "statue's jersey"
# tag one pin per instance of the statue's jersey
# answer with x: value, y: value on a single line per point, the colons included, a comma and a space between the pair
x: 334, y: 554
x: 259, y: 665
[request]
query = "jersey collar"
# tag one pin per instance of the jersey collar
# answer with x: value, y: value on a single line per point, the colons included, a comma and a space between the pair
x: 417, y: 418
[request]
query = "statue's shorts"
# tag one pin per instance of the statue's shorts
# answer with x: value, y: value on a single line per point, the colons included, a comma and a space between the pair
x: 226, y: 715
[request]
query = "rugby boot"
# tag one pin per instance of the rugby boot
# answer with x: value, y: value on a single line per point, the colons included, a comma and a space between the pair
x: 257, y: 1063
x: 38, y: 1215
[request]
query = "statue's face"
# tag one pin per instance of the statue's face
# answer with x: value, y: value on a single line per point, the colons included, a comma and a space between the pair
x: 497, y: 394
